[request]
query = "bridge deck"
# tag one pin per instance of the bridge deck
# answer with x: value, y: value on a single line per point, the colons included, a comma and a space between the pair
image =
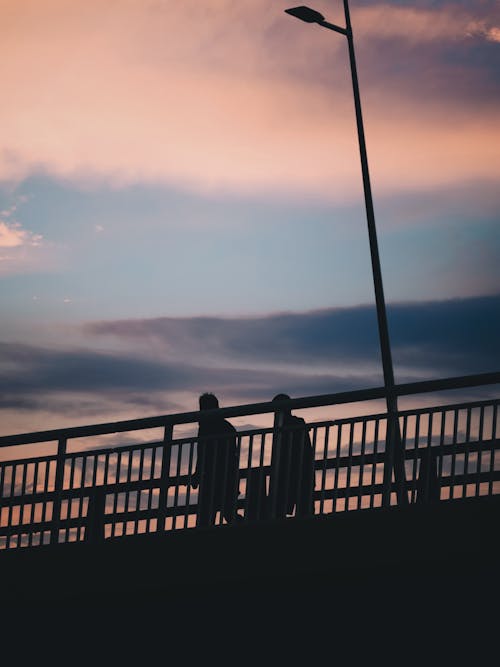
x: 456, y: 541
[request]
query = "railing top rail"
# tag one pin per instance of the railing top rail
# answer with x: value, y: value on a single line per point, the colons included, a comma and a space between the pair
x: 321, y: 400
x: 468, y: 405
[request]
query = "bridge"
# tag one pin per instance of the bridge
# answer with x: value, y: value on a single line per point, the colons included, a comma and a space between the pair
x: 108, y: 513
x: 92, y: 494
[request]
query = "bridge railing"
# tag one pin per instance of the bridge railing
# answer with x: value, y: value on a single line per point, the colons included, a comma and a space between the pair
x: 449, y: 451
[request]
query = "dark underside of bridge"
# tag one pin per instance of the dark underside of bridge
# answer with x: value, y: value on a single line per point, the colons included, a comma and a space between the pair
x: 420, y: 570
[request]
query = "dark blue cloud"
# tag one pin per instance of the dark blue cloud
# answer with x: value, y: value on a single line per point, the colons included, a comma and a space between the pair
x: 445, y: 338
x: 248, y: 359
x: 39, y: 378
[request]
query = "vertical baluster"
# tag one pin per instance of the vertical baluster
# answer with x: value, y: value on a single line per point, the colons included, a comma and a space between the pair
x: 234, y: 479
x: 414, y: 459
x: 313, y: 486
x: 349, y: 466
x: 156, y: 453
x: 188, y: 485
x: 45, y: 488
x: 129, y: 466
x: 442, y: 431
x: 436, y: 479
x: 95, y: 464
x: 261, y: 495
x: 177, y: 484
x: 11, y: 505
x: 8, y: 537
x: 453, y: 453
x: 116, y: 493
x: 133, y: 494
x: 480, y: 444
x: 429, y: 481
x: 361, y: 464
x: 374, y: 465
x: 139, y: 490
x: 338, y: 452
x: 323, y: 469
x: 32, y: 512
x: 287, y: 443
x: 105, y: 477
x: 492, y: 450
x: 418, y: 455
x: 255, y: 484
x: 113, y: 513
x: 149, y: 504
x: 24, y: 477
x: 466, y: 453
x: 298, y: 491
x: 85, y: 459
x: 97, y: 500
x: 119, y: 466
x: 166, y: 452
x: 252, y: 486
x: 2, y: 480
x: 72, y: 462
x: 82, y: 497
x: 58, y: 483
x: 140, y: 471
x: 119, y: 462
x: 128, y: 479
x: 22, y: 499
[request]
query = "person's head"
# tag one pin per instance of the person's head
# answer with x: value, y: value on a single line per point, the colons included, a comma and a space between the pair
x: 282, y: 397
x: 208, y: 402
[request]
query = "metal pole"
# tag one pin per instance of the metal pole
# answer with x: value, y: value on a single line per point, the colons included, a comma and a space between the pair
x: 394, y: 454
x: 372, y: 234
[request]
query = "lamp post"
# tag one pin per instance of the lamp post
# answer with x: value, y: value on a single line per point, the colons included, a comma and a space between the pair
x: 393, y: 439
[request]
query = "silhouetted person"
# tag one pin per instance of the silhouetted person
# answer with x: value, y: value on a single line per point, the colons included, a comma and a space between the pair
x: 217, y: 469
x: 292, y: 466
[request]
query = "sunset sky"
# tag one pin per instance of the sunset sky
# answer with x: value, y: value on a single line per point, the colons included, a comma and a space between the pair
x: 181, y: 203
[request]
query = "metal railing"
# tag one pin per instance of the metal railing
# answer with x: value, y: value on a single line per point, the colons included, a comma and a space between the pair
x: 449, y: 451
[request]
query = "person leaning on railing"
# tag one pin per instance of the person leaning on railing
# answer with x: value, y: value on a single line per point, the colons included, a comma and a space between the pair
x: 292, y: 465
x: 217, y: 466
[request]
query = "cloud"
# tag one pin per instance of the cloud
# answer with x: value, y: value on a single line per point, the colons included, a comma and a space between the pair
x: 493, y: 34
x: 213, y: 97
x: 423, y: 25
x: 86, y: 386
x: 430, y: 338
x: 165, y: 363
x: 26, y: 250
x: 13, y: 235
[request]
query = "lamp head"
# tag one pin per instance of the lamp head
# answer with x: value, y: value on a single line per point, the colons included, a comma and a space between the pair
x: 305, y: 14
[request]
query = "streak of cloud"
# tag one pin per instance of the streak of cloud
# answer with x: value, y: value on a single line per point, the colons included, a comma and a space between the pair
x: 444, y: 338
x: 167, y: 362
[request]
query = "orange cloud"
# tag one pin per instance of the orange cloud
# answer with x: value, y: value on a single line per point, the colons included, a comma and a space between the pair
x: 12, y: 235
x: 199, y: 96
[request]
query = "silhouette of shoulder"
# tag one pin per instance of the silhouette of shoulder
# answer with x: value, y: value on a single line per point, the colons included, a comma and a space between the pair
x: 216, y: 426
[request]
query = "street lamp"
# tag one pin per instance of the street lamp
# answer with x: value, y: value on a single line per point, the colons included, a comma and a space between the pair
x: 393, y: 438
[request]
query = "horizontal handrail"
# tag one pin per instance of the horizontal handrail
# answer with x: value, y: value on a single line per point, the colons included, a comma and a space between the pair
x: 320, y: 400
